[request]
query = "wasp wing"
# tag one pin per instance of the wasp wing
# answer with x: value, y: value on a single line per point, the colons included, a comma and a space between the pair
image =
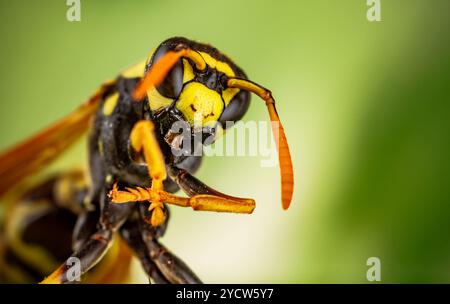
x: 34, y: 153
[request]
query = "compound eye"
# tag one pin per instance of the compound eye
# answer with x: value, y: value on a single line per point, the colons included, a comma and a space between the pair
x: 173, y: 83
x: 236, y: 108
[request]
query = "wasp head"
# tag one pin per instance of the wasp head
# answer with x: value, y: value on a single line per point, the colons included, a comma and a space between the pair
x: 194, y: 88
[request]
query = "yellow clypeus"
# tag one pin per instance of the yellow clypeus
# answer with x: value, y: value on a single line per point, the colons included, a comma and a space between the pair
x: 197, y: 101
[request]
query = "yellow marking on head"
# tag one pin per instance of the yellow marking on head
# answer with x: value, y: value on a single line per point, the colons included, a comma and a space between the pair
x: 110, y: 104
x: 198, y: 100
x: 228, y: 95
x: 188, y: 72
x: 156, y: 101
x: 136, y: 70
x: 218, y: 65
x: 223, y: 67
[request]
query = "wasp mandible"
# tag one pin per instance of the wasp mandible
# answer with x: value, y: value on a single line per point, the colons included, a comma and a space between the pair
x: 133, y: 173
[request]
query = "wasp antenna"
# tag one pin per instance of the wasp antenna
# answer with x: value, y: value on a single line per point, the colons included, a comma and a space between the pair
x: 284, y: 156
x: 162, y: 67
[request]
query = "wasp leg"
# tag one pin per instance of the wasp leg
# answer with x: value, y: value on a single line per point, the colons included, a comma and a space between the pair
x: 173, y: 269
x: 90, y: 253
x: 193, y: 186
x: 203, y: 197
x: 206, y: 198
x: 143, y: 140
x: 159, y: 263
x: 88, y: 256
x: 69, y: 191
x: 131, y: 234
x: 201, y: 202
x: 85, y: 226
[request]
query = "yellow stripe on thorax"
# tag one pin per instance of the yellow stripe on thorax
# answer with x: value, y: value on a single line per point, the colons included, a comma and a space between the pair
x: 110, y: 104
x: 136, y: 70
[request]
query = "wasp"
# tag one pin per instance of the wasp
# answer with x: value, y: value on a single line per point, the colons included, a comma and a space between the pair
x: 119, y: 207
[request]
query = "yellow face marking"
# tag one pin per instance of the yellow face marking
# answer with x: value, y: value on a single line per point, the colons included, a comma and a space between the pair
x: 223, y: 67
x: 110, y: 104
x: 197, y: 100
x: 188, y: 72
x: 228, y: 94
x: 156, y: 101
x: 218, y: 65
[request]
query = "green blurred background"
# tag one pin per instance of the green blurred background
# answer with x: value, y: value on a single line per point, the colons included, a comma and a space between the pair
x: 365, y: 106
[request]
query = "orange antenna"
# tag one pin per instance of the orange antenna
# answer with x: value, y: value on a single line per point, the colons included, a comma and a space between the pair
x: 162, y: 67
x: 284, y: 156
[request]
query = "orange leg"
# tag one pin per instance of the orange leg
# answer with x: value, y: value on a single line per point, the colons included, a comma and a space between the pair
x: 200, y: 202
x: 144, y: 141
